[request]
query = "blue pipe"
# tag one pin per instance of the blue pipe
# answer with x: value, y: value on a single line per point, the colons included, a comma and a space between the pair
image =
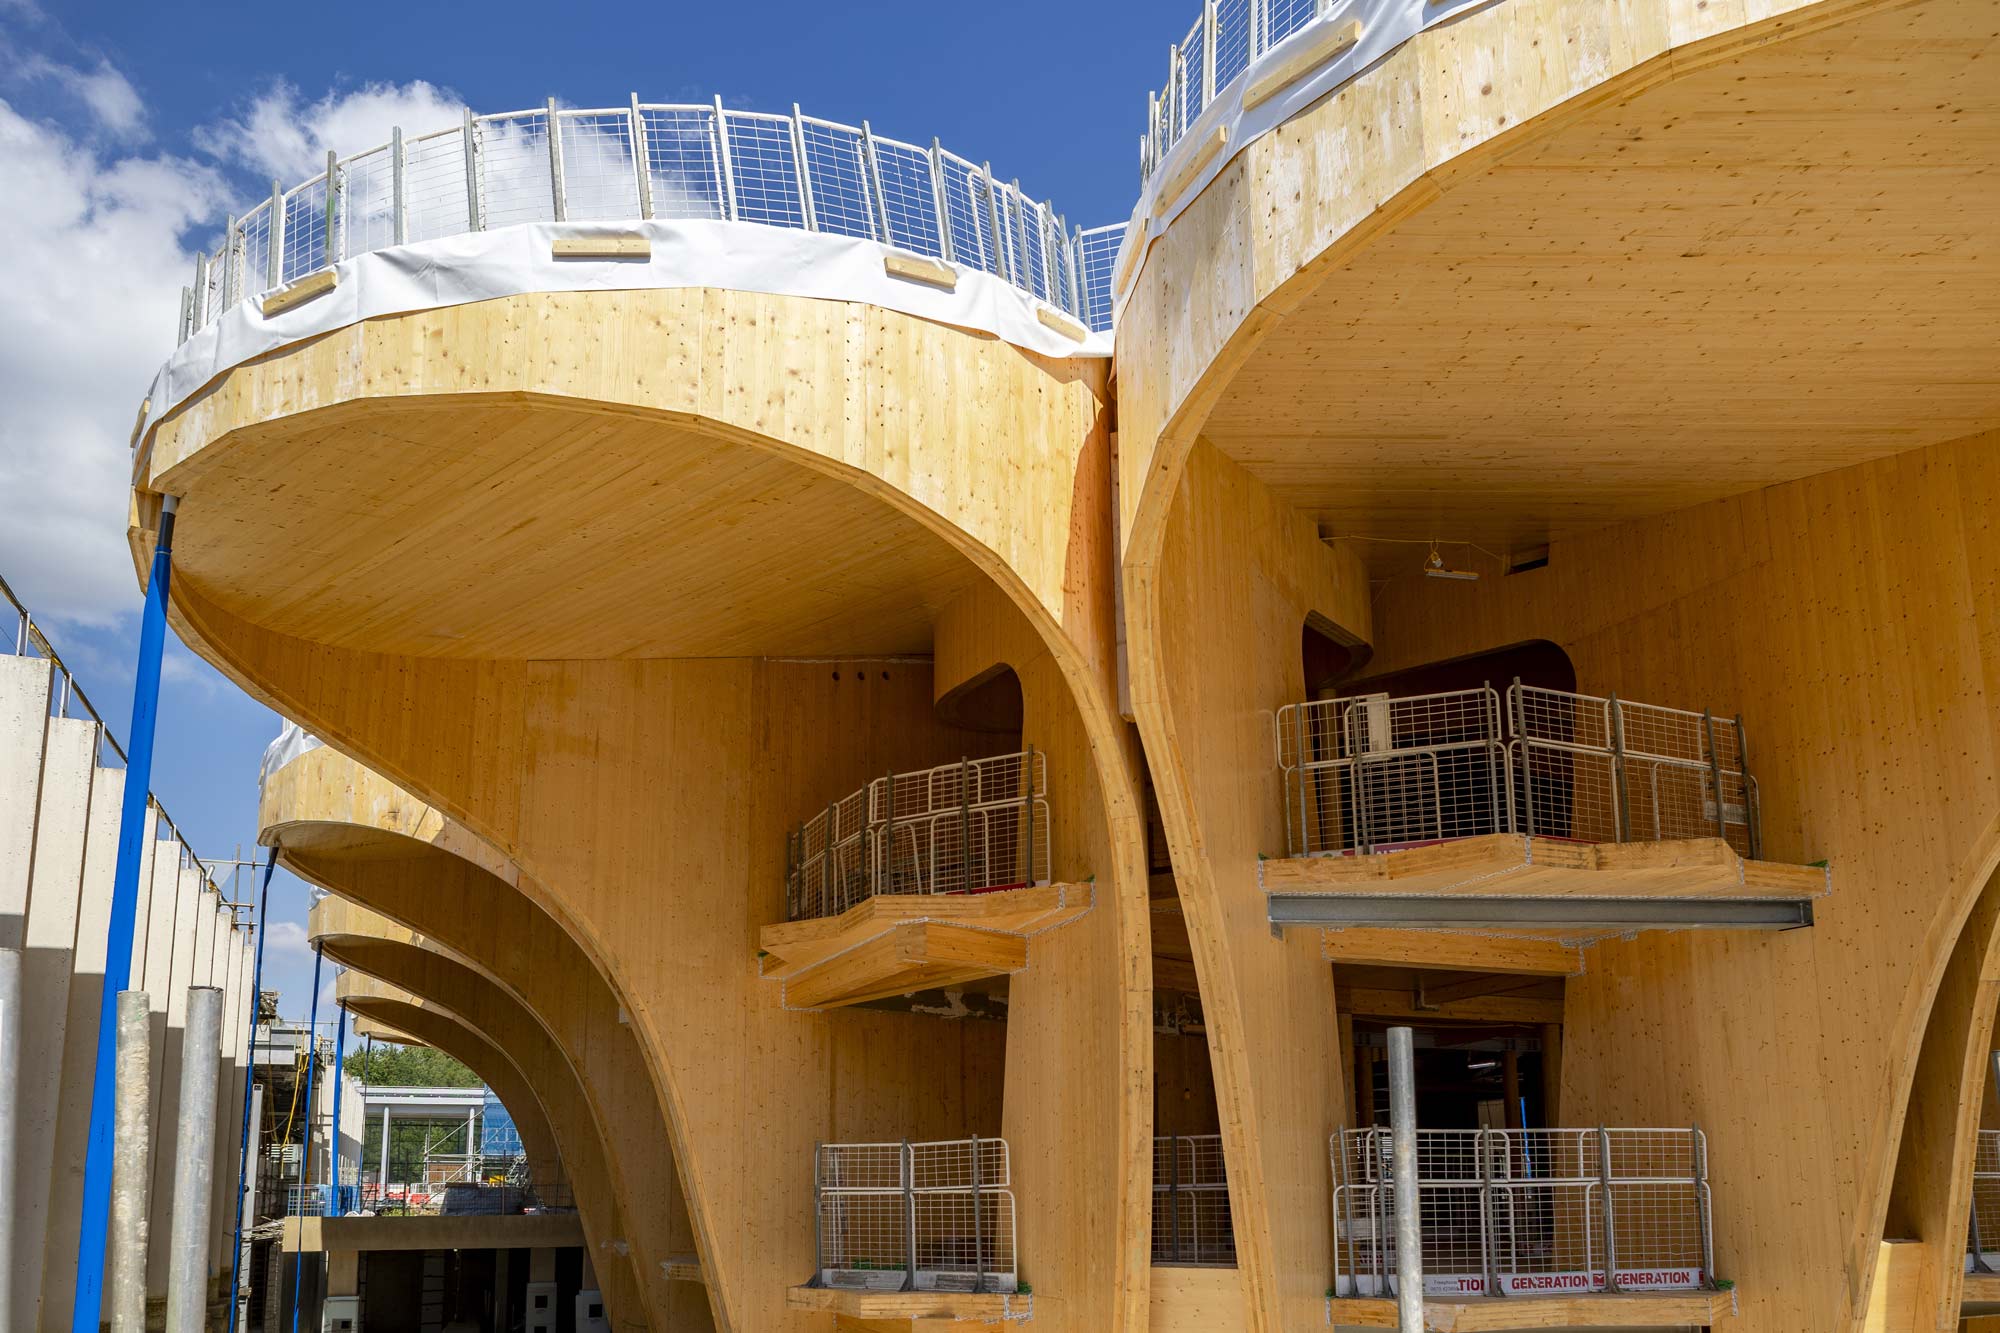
x: 306, y: 1143
x: 249, y: 1086
x: 339, y: 1070
x: 89, y: 1296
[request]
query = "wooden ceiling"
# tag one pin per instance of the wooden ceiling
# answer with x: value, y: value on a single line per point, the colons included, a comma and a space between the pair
x: 1780, y: 265
x: 526, y: 530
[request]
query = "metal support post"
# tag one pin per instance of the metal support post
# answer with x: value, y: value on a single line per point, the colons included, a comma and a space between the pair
x: 1409, y: 1210
x: 274, y: 258
x: 1751, y: 818
x: 133, y: 1170
x: 1610, y: 1213
x: 99, y: 1154
x: 909, y: 1217
x: 1174, y: 1190
x: 1210, y: 26
x: 804, y: 174
x: 1619, y: 788
x: 475, y: 211
x: 819, y: 1237
x: 978, y: 1234
x: 1698, y: 1160
x: 964, y: 823
x: 330, y: 242
x: 1714, y: 771
x: 558, y: 194
x: 399, y: 191
x: 945, y: 240
x: 244, y: 1151
x: 642, y: 161
x: 1002, y: 260
x: 306, y: 1145
x: 200, y: 290
x: 876, y: 197
x: 1028, y: 815
x: 194, y: 1163
x: 1489, y: 1271
x: 239, y: 1290
x: 339, y: 1072
x: 722, y: 157
x: 1520, y: 708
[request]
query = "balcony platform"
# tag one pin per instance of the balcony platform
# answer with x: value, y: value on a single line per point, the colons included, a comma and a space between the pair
x: 892, y: 944
x: 1544, y: 887
x: 1479, y: 1314
x: 865, y: 1309
x: 1981, y: 1289
x: 455, y: 1232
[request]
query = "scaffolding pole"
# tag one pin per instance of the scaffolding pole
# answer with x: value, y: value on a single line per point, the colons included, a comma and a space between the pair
x: 252, y: 1093
x: 1409, y: 1214
x: 132, y: 1167
x: 194, y: 1163
x: 10, y: 1102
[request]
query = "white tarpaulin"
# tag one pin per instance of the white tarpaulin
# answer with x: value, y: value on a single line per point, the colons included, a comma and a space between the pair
x: 510, y: 261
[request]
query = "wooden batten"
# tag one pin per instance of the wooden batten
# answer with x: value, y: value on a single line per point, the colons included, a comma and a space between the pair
x: 921, y: 268
x: 607, y: 245
x: 1314, y: 48
x: 1199, y: 155
x: 300, y: 291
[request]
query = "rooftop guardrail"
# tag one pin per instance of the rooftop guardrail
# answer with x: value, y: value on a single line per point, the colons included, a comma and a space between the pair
x: 914, y: 1216
x: 1375, y: 772
x: 1526, y: 1212
x: 668, y: 161
x: 974, y: 826
x: 1226, y: 37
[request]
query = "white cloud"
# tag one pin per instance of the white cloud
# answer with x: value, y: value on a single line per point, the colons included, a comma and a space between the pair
x: 109, y: 96
x: 281, y: 134
x: 286, y: 940
x: 92, y: 263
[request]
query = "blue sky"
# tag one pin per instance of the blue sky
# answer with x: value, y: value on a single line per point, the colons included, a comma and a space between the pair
x: 127, y: 132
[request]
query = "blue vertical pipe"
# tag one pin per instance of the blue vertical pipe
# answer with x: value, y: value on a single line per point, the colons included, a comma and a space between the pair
x: 89, y: 1296
x: 339, y: 1069
x: 306, y: 1144
x: 249, y: 1085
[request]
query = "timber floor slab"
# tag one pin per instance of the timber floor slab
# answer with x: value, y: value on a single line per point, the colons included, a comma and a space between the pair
x: 865, y: 1308
x: 1494, y: 1315
x: 469, y: 1232
x: 893, y: 944
x: 1548, y: 888
x: 1981, y: 1289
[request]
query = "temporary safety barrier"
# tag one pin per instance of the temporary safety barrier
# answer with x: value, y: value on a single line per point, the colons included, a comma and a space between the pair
x: 1982, y: 1241
x: 1525, y: 1212
x: 1191, y: 1223
x: 914, y: 1216
x: 643, y: 161
x: 1374, y: 773
x: 969, y: 827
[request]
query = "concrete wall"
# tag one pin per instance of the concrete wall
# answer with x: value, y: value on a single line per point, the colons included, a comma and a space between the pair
x: 61, y: 788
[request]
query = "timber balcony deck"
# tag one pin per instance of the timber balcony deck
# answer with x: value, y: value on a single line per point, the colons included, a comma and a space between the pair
x: 893, y: 944
x: 1473, y: 1314
x: 1558, y: 817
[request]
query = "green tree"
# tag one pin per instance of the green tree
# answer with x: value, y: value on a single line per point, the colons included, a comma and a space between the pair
x: 409, y: 1067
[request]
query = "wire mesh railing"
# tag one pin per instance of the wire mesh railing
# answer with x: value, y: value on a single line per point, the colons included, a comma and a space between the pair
x: 935, y: 1216
x: 1525, y: 1212
x: 1225, y: 39
x: 1982, y: 1239
x: 1375, y: 773
x: 1191, y: 1222
x: 975, y: 826
x: 643, y: 161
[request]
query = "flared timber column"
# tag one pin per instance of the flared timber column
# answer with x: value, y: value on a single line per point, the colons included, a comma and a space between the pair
x: 359, y: 939
x: 731, y: 544
x: 398, y: 861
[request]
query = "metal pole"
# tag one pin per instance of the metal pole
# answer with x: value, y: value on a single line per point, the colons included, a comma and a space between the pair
x: 805, y: 179
x: 329, y: 243
x: 1209, y: 29
x: 382, y: 1167
x: 1003, y: 260
x: 475, y: 215
x: 339, y: 1073
x: 909, y: 1216
x: 1610, y: 1217
x: 875, y: 195
x: 978, y: 1238
x: 306, y: 1144
x: 249, y: 1086
x: 1750, y: 815
x: 194, y: 1163
x: 239, y: 1293
x: 1409, y: 1212
x: 946, y: 246
x: 274, y: 257
x: 98, y: 1156
x: 556, y: 190
x: 965, y: 823
x: 399, y: 193
x: 10, y: 1101
x: 133, y: 1170
x: 1520, y: 711
x: 1028, y: 816
x: 1714, y: 770
x: 1174, y: 1189
x: 642, y: 165
x: 1618, y: 783
x: 722, y: 157
x: 1698, y: 1157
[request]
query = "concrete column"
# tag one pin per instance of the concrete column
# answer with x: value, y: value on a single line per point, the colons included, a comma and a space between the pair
x: 10, y: 1091
x: 194, y: 1163
x: 174, y: 957
x: 131, y: 1164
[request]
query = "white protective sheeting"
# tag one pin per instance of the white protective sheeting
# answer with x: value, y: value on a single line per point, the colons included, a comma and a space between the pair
x: 1385, y: 25
x: 293, y: 741
x: 480, y: 266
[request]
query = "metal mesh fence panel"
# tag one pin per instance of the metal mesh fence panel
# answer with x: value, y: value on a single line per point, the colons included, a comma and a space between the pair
x: 965, y: 200
x: 1098, y: 260
x: 1232, y: 39
x: 1982, y: 1240
x: 684, y: 170
x: 255, y: 229
x: 925, y: 1216
x: 907, y: 196
x: 434, y: 200
x: 600, y: 181
x: 1193, y: 58
x: 304, y: 249
x: 1191, y: 1221
x: 765, y: 169
x: 837, y: 168
x: 515, y: 182
x: 368, y: 202
x: 1282, y: 18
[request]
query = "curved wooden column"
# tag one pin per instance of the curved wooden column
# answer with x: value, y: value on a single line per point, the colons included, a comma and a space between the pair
x: 361, y: 940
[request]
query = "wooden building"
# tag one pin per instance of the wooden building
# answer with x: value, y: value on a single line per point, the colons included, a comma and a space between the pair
x: 820, y: 701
